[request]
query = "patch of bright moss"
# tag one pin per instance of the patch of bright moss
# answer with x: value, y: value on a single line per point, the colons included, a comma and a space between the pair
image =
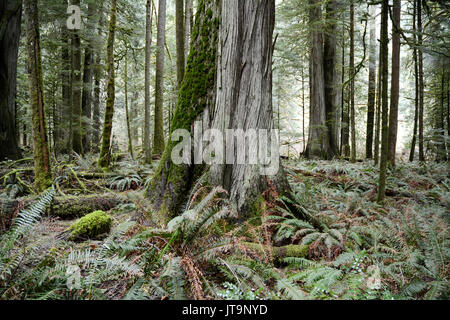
x: 91, y: 226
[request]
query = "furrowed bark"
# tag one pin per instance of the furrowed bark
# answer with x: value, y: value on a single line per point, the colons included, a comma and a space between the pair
x: 244, y: 97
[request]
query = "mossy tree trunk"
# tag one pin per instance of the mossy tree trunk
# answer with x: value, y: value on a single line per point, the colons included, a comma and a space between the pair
x: 171, y: 183
x: 148, y: 43
x: 105, y: 151
x: 384, y: 100
x: 158, y: 136
x: 395, y: 83
x: 372, y: 85
x: 42, y: 166
x: 10, y: 22
x: 77, y: 85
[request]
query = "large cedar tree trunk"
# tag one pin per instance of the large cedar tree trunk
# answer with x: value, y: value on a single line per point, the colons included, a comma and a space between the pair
x: 244, y: 95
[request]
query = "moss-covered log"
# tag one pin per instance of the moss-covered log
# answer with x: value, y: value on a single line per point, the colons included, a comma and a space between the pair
x: 64, y: 207
x: 78, y: 206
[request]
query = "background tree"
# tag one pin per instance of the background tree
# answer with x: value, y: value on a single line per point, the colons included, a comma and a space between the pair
x: 42, y: 165
x: 10, y: 17
x: 105, y: 151
x: 148, y: 43
x: 158, y: 137
x: 180, y: 38
x: 395, y: 82
x: 77, y: 86
x: 384, y: 41
x: 318, y: 140
x: 331, y: 77
x: 372, y: 85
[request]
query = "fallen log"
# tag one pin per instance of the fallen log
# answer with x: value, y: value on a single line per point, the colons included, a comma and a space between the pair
x: 69, y: 207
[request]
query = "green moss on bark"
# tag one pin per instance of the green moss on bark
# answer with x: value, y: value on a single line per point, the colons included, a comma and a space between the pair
x: 105, y: 151
x: 171, y: 183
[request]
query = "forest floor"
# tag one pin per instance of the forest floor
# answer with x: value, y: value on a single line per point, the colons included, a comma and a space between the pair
x: 328, y: 240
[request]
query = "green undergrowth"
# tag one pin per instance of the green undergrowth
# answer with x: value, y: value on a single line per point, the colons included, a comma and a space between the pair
x: 328, y: 240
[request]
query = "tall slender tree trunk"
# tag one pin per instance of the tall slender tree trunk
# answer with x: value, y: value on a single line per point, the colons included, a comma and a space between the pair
x: 372, y: 85
x: 105, y: 151
x: 344, y: 124
x: 158, y: 136
x: 77, y: 144
x: 395, y: 83
x: 303, y: 109
x: 378, y: 112
x: 318, y: 138
x: 441, y: 147
x: 10, y: 22
x: 98, y: 72
x: 148, y: 43
x: 331, y: 77
x: 352, y: 81
x: 127, y: 114
x: 384, y: 100
x: 421, y: 81
x: 66, y: 88
x: 416, y: 86
x: 187, y: 28
x: 180, y: 35
x: 42, y: 165
x: 88, y: 72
